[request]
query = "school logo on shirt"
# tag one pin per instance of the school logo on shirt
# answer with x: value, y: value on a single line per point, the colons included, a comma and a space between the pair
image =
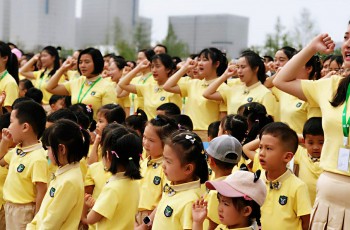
x: 93, y: 93
x: 168, y: 211
x: 162, y: 98
x: 250, y: 99
x: 52, y: 192
x: 156, y: 180
x: 283, y: 200
x: 298, y: 104
x: 20, y: 168
x: 210, y: 171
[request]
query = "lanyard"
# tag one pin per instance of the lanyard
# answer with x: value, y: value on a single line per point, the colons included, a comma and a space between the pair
x: 3, y: 75
x: 143, y: 81
x: 81, y: 89
x: 346, y: 124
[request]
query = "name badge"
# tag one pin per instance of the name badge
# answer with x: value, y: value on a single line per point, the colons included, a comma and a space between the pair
x: 343, y: 159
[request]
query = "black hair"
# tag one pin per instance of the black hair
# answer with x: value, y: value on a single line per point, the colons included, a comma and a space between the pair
x: 170, y: 109
x: 97, y: 59
x: 27, y: 84
x: 35, y: 94
x: 84, y: 114
x: 108, y: 128
x: 225, y: 165
x: 124, y: 149
x: 163, y: 46
x: 12, y: 61
x: 164, y: 126
x: 289, y: 51
x: 137, y: 121
x: 12, y: 44
x: 235, y: 125
x: 55, y: 98
x: 340, y: 95
x: 52, y: 51
x: 113, y: 113
x: 69, y: 134
x: 62, y: 114
x: 20, y: 99
x: 176, y: 60
x: 216, y: 56
x: 32, y: 113
x: 149, y: 53
x: 255, y: 62
x: 287, y: 136
x: 184, y: 122
x: 338, y: 59
x: 5, y: 120
x: 133, y: 62
x: 190, y: 151
x: 108, y: 55
x: 166, y: 60
x: 213, y: 129
x: 315, y: 64
x: 268, y: 58
x: 313, y: 126
x: 119, y: 61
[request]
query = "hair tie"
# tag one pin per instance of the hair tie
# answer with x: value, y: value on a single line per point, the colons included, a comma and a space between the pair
x: 114, y: 153
x: 130, y: 159
x: 190, y: 138
x: 88, y: 108
x: 157, y: 118
x: 257, y: 175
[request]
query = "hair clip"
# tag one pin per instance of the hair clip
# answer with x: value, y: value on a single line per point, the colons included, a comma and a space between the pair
x: 130, y: 159
x: 114, y: 153
x: 190, y: 138
x: 203, y: 152
x: 88, y: 108
x: 157, y: 118
x: 139, y: 114
x: 257, y: 175
x: 243, y: 167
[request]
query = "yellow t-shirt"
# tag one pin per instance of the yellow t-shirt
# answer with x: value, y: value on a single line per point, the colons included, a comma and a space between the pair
x: 27, y: 166
x: 63, y: 202
x: 201, y: 110
x: 294, y: 111
x: 320, y: 93
x: 122, y: 101
x: 97, y: 95
x: 72, y: 75
x: 151, y: 184
x: 9, y: 85
x: 256, y: 163
x: 240, y: 94
x: 309, y: 171
x: 154, y: 96
x: 40, y: 83
x: 118, y: 203
x: 213, y: 203
x: 224, y: 227
x: 135, y: 100
x: 284, y: 206
x: 174, y: 211
x: 97, y: 176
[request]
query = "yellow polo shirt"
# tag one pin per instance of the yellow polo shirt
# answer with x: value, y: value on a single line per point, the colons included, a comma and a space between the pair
x: 213, y: 203
x: 63, y: 202
x: 9, y: 85
x: 174, y: 211
x: 135, y: 100
x: 72, y: 75
x: 97, y: 95
x: 122, y: 101
x: 3, y: 174
x: 284, y: 206
x: 118, y: 203
x: 154, y: 96
x: 151, y: 184
x: 240, y: 94
x: 224, y: 227
x: 25, y: 169
x: 40, y: 83
x: 309, y: 171
x: 201, y: 110
x: 320, y: 93
x: 97, y: 176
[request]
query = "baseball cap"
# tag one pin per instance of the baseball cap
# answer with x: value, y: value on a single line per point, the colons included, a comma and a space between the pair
x: 241, y: 184
x: 225, y: 148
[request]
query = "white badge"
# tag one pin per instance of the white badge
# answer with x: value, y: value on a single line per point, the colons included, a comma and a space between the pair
x: 343, y: 159
x: 131, y: 110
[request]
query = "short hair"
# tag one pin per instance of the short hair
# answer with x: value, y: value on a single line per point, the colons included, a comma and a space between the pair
x: 20, y: 99
x: 97, y: 59
x: 166, y: 60
x: 313, y: 126
x: 27, y: 84
x: 164, y: 126
x: 213, y: 129
x: 149, y: 53
x: 35, y: 94
x: 137, y: 121
x: 287, y: 136
x: 169, y: 108
x: 235, y: 125
x: 32, y: 113
x: 5, y: 120
x: 223, y: 165
x: 163, y: 46
x: 268, y: 58
x: 55, y: 98
x: 113, y: 113
x: 62, y: 114
x: 184, y: 122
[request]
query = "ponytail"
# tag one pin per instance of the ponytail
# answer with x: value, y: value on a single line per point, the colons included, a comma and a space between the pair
x: 340, y: 95
x: 12, y: 61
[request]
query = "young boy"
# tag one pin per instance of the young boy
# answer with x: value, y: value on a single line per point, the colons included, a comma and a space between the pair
x: 224, y: 152
x: 287, y: 205
x: 25, y: 184
x: 307, y: 160
x: 57, y: 102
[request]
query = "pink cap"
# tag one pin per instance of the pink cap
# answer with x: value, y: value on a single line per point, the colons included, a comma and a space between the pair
x: 16, y: 52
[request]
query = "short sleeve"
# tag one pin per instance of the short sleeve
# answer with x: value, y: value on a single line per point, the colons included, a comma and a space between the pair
x: 183, y: 85
x: 311, y: 91
x: 224, y: 91
x: 302, y: 202
x: 106, y: 203
x: 8, y: 156
x: 11, y: 90
x: 270, y: 103
x: 40, y: 171
x: 313, y: 112
x: 37, y: 74
x: 186, y: 216
x: 67, y: 85
x: 213, y: 204
x: 140, y: 89
x: 88, y: 178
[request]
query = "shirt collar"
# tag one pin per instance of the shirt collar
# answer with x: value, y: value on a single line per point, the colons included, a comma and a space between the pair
x: 249, y: 88
x: 66, y: 168
x: 313, y: 159
x: 206, y: 83
x: 277, y: 183
x: 117, y: 176
x: 22, y: 151
x: 154, y: 162
x: 173, y: 189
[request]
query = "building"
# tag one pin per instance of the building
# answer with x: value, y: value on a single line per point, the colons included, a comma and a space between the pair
x: 229, y: 33
x: 5, y: 19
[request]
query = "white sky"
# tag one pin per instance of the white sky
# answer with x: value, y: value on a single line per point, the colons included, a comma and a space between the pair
x: 329, y: 16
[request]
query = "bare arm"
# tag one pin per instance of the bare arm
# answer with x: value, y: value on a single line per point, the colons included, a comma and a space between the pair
x: 40, y: 193
x: 5, y: 142
x: 250, y: 148
x: 53, y: 86
x: 305, y: 222
x: 286, y: 80
x: 94, y: 151
x: 26, y: 71
x: 124, y: 82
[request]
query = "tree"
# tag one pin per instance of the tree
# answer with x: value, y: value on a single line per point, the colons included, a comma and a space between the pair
x: 142, y: 36
x: 124, y: 48
x: 174, y: 45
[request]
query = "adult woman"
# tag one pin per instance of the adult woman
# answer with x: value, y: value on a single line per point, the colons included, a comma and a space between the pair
x: 331, y: 95
x: 49, y: 59
x: 8, y: 75
x: 153, y: 94
x: 248, y: 88
x: 89, y: 89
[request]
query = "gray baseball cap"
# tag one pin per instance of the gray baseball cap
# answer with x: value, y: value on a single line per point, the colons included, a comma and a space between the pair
x: 225, y: 148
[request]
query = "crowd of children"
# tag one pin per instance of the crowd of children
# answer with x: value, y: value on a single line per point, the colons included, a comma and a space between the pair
x: 103, y: 143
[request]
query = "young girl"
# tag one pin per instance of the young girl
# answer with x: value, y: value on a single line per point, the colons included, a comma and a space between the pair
x: 137, y: 122
x: 240, y: 197
x: 186, y: 167
x: 116, y: 206
x: 61, y: 208
x: 234, y: 125
x: 156, y: 132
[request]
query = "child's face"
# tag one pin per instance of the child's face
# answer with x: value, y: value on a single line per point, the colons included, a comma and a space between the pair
x: 229, y: 215
x: 152, y: 142
x: 58, y: 105
x: 172, y: 167
x: 272, y: 154
x: 101, y: 123
x: 15, y: 128
x: 314, y: 144
x: 51, y: 156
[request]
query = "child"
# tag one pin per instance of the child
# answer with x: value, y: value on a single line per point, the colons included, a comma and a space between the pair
x: 287, y: 203
x: 24, y: 86
x: 224, y: 152
x: 307, y: 159
x: 213, y: 130
x: 153, y: 181
x: 185, y: 166
x: 25, y: 184
x: 116, y: 206
x: 240, y: 197
x: 56, y: 102
x: 63, y: 202
x: 35, y: 94
x: 234, y: 125
x: 137, y: 122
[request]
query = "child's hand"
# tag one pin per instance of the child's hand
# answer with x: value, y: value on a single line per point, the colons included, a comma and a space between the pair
x: 97, y: 139
x: 199, y: 210
x: 89, y: 200
x: 2, y: 98
x: 7, y: 136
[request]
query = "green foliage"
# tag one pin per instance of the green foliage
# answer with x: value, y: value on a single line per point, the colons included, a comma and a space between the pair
x: 126, y: 49
x: 142, y: 36
x: 175, y: 46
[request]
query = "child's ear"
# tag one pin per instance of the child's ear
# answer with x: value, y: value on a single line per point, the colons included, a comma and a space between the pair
x: 211, y: 162
x: 189, y: 168
x: 62, y: 149
x: 26, y: 127
x: 247, y: 210
x: 288, y: 156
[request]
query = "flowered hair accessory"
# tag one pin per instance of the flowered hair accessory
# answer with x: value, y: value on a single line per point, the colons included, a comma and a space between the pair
x: 114, y: 153
x: 190, y: 138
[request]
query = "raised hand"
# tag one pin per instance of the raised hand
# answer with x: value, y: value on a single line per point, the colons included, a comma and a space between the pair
x: 144, y: 64
x: 199, y: 210
x: 6, y: 135
x: 68, y: 64
x: 323, y: 43
x: 230, y: 71
x: 2, y: 98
